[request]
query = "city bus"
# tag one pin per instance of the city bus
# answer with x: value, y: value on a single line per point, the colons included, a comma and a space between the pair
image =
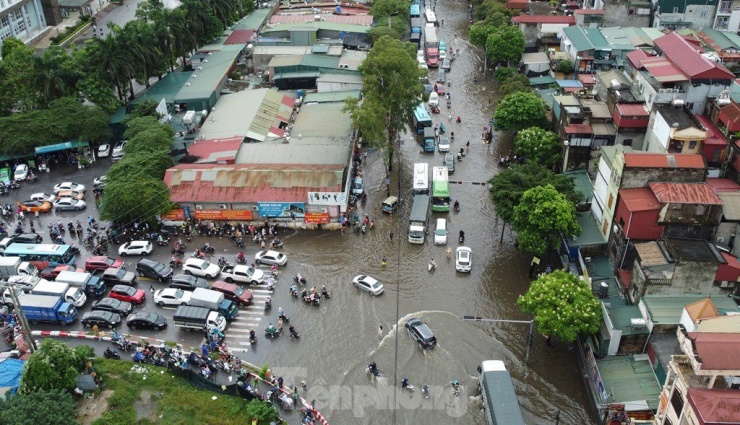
x: 421, y: 178
x: 422, y: 119
x: 499, y: 396
x: 440, y: 189
x: 431, y: 17
x: 41, y: 253
x: 415, y: 11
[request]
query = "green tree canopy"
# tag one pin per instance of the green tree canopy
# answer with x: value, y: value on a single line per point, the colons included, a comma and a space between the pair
x: 489, y: 9
x: 505, y: 45
x: 520, y: 110
x: 48, y: 407
x: 538, y: 146
x: 563, y: 305
x: 542, y: 214
x: 54, y: 366
x: 517, y: 83
x: 509, y: 185
x: 565, y: 66
x: 264, y: 412
x: 135, y: 198
x: 479, y: 32
x: 504, y: 73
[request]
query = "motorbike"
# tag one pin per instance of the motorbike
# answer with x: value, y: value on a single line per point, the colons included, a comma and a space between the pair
x: 268, y: 303
x: 283, y: 316
x: 175, y: 263
x: 461, y: 238
x: 14, y: 184
x: 274, y: 334
x: 312, y: 299
x: 271, y: 283
x: 253, y: 339
x: 293, y: 291
x: 276, y: 243
x: 111, y: 354
x: 457, y: 206
x: 208, y: 249
x: 178, y: 251
x: 32, y: 178
x: 408, y: 387
x: 199, y: 255
x: 299, y: 279
x: 222, y: 262
x: 294, y: 334
x: 372, y: 371
x: 326, y: 294
x: 241, y: 260
x: 163, y: 242
x: 425, y: 390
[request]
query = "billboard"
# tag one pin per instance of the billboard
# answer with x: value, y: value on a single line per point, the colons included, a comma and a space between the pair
x: 174, y: 215
x: 245, y: 215
x: 317, y: 217
x: 327, y: 198
x: 282, y: 209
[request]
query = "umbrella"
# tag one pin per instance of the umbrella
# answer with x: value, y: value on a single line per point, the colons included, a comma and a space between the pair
x: 86, y: 383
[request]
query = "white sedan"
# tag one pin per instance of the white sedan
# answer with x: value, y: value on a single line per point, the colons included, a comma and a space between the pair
x: 103, y: 150
x: 69, y: 186
x: 463, y: 259
x: 67, y: 203
x: 21, y: 172
x: 135, y: 248
x: 43, y: 197
x: 201, y: 268
x: 368, y: 284
x: 270, y: 257
x: 172, y: 297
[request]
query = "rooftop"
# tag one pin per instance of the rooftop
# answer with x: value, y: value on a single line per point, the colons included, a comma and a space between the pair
x: 679, y: 119
x: 579, y: 38
x: 633, y: 110
x: 729, y: 324
x: 215, y: 151
x: 730, y: 114
x: 663, y: 70
x: 589, y: 11
x: 715, y: 406
x: 598, y: 109
x: 314, y: 26
x: 636, y: 57
x: 621, y: 317
x: 667, y: 309
x: 685, y: 56
x: 326, y: 17
x: 537, y: 57
x: 582, y: 184
x: 335, y: 96
x: 714, y: 137
x: 629, y: 379
x: 241, y: 37
x: 694, y: 250
x: 544, y: 19
x: 702, y: 309
x: 254, y: 20
x: 590, y: 232
x: 208, y: 73
x: 730, y: 205
x: 661, y: 160
x: 166, y: 88
x: 640, y: 199
x: 685, y: 193
x: 651, y: 254
x: 717, y: 351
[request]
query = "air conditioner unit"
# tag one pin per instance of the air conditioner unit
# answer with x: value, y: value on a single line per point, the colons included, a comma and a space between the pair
x: 222, y: 206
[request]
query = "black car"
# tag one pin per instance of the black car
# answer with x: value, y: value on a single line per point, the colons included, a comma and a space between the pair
x: 449, y: 162
x: 187, y: 282
x: 101, y: 318
x: 154, y: 269
x: 113, y: 305
x: 118, y: 277
x: 421, y: 333
x: 27, y: 238
x: 146, y: 320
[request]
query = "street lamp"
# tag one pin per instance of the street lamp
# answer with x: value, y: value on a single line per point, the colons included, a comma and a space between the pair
x: 530, y: 337
x: 566, y: 142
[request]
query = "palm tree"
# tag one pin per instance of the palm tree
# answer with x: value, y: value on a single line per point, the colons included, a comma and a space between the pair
x: 112, y: 62
x: 54, y: 75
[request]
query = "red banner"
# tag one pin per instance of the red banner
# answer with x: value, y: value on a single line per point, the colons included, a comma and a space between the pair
x: 174, y: 215
x: 223, y: 215
x: 317, y: 218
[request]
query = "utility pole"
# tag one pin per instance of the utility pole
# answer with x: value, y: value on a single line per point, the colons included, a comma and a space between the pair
x: 22, y: 319
x: 530, y: 337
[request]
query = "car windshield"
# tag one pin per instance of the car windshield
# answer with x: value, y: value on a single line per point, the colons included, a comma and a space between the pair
x: 238, y: 291
x: 129, y: 291
x: 153, y: 317
x: 440, y: 232
x: 110, y: 261
x: 205, y: 265
x: 106, y: 315
x: 376, y: 285
x: 159, y: 267
x: 178, y: 293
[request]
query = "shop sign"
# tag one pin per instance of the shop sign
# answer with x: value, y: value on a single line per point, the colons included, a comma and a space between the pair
x: 241, y: 215
x: 281, y: 209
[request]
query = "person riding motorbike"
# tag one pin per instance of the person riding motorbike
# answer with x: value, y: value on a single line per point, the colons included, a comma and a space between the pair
x: 108, y: 353
x: 240, y: 256
x: 455, y: 386
x: 462, y: 235
x: 404, y: 383
x: 252, y: 335
x: 292, y: 331
x: 160, y: 239
x: 425, y: 390
x: 281, y: 313
x: 373, y: 368
x: 268, y: 301
x: 271, y: 329
x: 457, y: 205
x: 294, y: 290
x: 432, y: 264
x: 324, y: 292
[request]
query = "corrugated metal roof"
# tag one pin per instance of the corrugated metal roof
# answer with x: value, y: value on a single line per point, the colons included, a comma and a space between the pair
x: 717, y: 351
x: 730, y: 271
x: 714, y: 137
x: 274, y: 109
x: 719, y: 38
x: 597, y: 40
x: 254, y: 20
x: 684, y: 55
x: 685, y: 193
x: 340, y: 78
x: 702, y: 309
x: 537, y: 57
x: 327, y: 17
x: 213, y: 69
x: 240, y: 37
x: 636, y: 57
x: 667, y: 309
x: 603, y: 129
x: 544, y: 19
x: 578, y: 129
x: 661, y: 160
x: 166, y: 88
x: 335, y: 96
x: 730, y: 324
x: 314, y: 26
x: 633, y: 110
x: 589, y: 11
x: 320, y: 61
x: 730, y: 205
x: 730, y: 115
x: 650, y: 254
x: 722, y: 185
x: 578, y: 38
x: 663, y: 70
x: 216, y: 150
x: 287, y: 60
x: 715, y: 406
x: 640, y: 199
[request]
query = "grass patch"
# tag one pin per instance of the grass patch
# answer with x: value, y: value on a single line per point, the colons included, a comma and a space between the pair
x: 176, y: 401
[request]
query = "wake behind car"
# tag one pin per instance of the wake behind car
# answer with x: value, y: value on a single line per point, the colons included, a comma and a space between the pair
x: 463, y: 259
x: 202, y: 268
x: 270, y: 257
x: 146, y: 320
x: 69, y: 186
x: 113, y: 305
x: 69, y: 204
x: 188, y: 282
x: 128, y: 294
x: 368, y: 284
x: 101, y: 319
x: 421, y: 333
x: 114, y: 276
x: 135, y: 248
x: 154, y: 270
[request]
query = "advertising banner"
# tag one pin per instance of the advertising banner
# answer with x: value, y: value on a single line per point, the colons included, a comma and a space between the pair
x: 174, y: 215
x: 327, y: 198
x: 317, y: 217
x: 281, y: 209
x: 244, y: 215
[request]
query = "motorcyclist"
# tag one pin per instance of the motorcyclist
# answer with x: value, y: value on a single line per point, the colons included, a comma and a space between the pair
x: 455, y: 386
x: 268, y: 301
x: 240, y: 256
x: 108, y: 352
x: 294, y: 289
x: 433, y: 264
x: 324, y: 292
x: 271, y: 329
x: 457, y: 204
x: 160, y: 239
x: 404, y: 383
x: 373, y: 368
x: 462, y: 234
x: 292, y: 330
x: 425, y: 389
x: 252, y: 335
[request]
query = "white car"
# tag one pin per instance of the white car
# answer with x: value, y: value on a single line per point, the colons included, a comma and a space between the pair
x: 69, y: 186
x: 463, y: 259
x: 66, y: 203
x: 444, y: 144
x: 100, y: 181
x: 103, y: 150
x: 135, y: 248
x: 442, y: 55
x: 420, y: 56
x: 201, y: 268
x: 433, y: 99
x: 43, y: 197
x: 368, y: 284
x: 270, y: 257
x: 21, y: 172
x: 440, y: 233
x: 172, y: 297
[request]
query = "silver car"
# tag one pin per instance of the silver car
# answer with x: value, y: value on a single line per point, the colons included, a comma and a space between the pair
x: 67, y: 203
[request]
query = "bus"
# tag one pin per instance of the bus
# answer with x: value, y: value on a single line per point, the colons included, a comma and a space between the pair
x: 499, y: 397
x: 422, y: 119
x: 41, y: 253
x: 415, y: 11
x: 440, y: 189
x: 421, y: 178
x: 431, y: 17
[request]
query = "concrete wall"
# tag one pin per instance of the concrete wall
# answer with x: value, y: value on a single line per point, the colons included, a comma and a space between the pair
x: 617, y: 14
x: 637, y: 137
x: 697, y: 95
x: 691, y: 277
x: 640, y: 177
x: 530, y: 34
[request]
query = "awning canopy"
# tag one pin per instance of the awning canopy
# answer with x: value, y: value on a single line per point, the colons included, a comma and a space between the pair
x: 61, y: 147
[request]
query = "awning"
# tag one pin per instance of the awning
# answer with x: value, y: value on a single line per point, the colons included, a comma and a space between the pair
x: 61, y: 147
x: 730, y: 205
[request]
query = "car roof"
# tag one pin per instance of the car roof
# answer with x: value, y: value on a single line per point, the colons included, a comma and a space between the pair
x: 123, y: 288
x: 194, y: 261
x: 464, y: 249
x: 166, y: 291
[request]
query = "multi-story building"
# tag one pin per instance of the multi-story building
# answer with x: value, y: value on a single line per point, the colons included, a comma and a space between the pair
x: 677, y: 14
x: 22, y: 19
x: 728, y: 16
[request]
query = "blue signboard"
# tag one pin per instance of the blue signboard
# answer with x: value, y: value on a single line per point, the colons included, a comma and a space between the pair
x: 282, y: 209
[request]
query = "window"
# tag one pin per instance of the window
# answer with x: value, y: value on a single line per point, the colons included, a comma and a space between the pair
x: 611, y: 200
x: 627, y: 142
x: 677, y: 401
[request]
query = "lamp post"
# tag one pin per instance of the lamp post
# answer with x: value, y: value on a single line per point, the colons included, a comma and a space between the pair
x: 530, y: 337
x: 566, y: 142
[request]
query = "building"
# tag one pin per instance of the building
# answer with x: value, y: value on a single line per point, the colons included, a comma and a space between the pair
x: 589, y: 18
x: 25, y: 19
x: 677, y: 14
x: 631, y: 121
x: 633, y: 13
x: 725, y: 45
x: 728, y: 16
x: 588, y: 48
x: 673, y: 129
x: 538, y: 27
x: 536, y: 64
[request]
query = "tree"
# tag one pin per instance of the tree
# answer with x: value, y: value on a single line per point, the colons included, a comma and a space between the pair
x: 509, y: 185
x: 565, y: 66
x: 50, y: 407
x: 264, y: 412
x: 521, y: 110
x: 504, y: 74
x: 563, y: 305
x: 541, y: 216
x: 54, y: 366
x: 505, y: 45
x: 138, y: 197
x: 517, y: 83
x: 479, y: 32
x: 538, y: 146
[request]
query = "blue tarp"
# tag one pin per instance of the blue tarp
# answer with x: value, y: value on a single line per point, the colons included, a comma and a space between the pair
x: 60, y: 147
x: 10, y: 374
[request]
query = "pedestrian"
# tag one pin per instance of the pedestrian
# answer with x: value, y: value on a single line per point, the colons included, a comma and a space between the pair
x: 449, y: 253
x: 449, y: 117
x: 391, y: 235
x: 95, y: 330
x: 385, y: 261
x: 151, y: 288
x: 280, y: 324
x: 313, y: 404
x: 204, y: 350
x: 380, y: 331
x: 304, y: 386
x: 280, y: 382
x: 37, y: 215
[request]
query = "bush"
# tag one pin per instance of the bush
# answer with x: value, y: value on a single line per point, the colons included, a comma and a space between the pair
x: 61, y: 37
x: 50, y: 407
x: 503, y: 74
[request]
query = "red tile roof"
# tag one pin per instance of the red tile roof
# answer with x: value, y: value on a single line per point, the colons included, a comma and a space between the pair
x: 215, y: 150
x: 633, y: 110
x: 662, y: 160
x: 587, y: 79
x: 640, y: 199
x: 663, y: 70
x: 714, y: 137
x: 723, y: 185
x: 717, y: 351
x: 578, y: 129
x: 240, y: 37
x: 685, y: 193
x: 589, y: 11
x: 636, y: 57
x: 730, y: 271
x: 685, y: 56
x: 730, y: 115
x: 517, y: 4
x: 715, y: 406
x: 543, y: 19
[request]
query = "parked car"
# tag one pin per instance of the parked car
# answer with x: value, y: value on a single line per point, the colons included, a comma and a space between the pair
x: 118, y: 277
x: 146, y: 320
x: 103, y: 150
x: 101, y: 319
x: 368, y: 284
x: 172, y: 296
x: 113, y: 305
x: 30, y: 238
x: 444, y: 144
x: 21, y: 172
x: 154, y: 270
x: 449, y: 162
x: 69, y: 186
x: 188, y: 282
x: 35, y: 206
x: 69, y: 204
x: 463, y: 259
x: 202, y: 268
x: 358, y: 186
x: 101, y: 262
x: 270, y: 257
x: 135, y: 248
x: 118, y: 151
x: 44, y: 197
x: 128, y: 294
x: 421, y: 333
x: 234, y: 293
x: 71, y: 194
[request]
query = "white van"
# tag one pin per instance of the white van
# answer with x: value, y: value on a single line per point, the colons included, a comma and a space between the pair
x: 440, y: 233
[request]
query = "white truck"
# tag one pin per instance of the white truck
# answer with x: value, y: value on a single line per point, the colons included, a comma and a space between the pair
x: 418, y: 219
x: 7, y: 299
x: 68, y: 293
x: 242, y: 274
x: 11, y: 266
x: 214, y: 300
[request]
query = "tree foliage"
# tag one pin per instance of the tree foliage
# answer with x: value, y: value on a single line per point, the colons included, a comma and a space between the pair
x: 391, y: 19
x: 509, y: 185
x: 479, y: 32
x: 517, y: 83
x: 264, y: 412
x: 488, y: 10
x: 54, y: 366
x: 563, y: 305
x: 565, y: 66
x: 538, y: 146
x: 542, y: 214
x: 504, y: 74
x: 505, y: 45
x: 520, y: 110
x: 48, y: 407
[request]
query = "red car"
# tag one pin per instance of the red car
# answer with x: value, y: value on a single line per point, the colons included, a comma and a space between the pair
x: 128, y: 294
x: 234, y: 293
x: 102, y: 263
x: 51, y: 272
x: 440, y: 89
